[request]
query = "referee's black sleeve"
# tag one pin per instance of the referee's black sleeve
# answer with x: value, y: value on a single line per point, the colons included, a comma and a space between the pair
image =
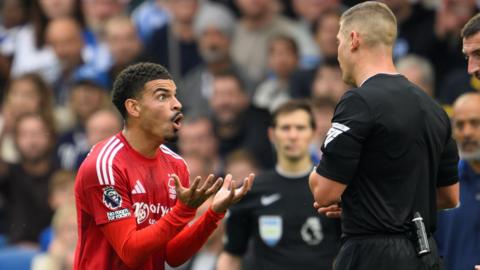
x: 351, y: 125
x: 448, y: 167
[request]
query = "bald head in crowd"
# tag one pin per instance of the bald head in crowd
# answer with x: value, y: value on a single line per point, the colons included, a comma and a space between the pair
x: 65, y: 36
x: 466, y: 126
x: 122, y: 40
x: 101, y: 125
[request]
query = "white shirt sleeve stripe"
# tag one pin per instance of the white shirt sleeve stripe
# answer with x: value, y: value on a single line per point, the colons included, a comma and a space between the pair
x: 110, y: 161
x: 99, y: 158
x: 104, y: 162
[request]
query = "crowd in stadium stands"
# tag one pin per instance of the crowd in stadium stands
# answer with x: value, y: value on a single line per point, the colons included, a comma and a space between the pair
x: 234, y: 62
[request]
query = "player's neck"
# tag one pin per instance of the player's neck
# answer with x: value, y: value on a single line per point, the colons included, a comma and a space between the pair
x: 296, y: 167
x: 141, y: 142
x: 373, y: 64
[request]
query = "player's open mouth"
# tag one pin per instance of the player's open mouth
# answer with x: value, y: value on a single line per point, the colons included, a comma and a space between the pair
x: 177, y: 119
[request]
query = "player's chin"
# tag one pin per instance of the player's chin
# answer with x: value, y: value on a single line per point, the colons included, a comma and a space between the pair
x: 172, y: 137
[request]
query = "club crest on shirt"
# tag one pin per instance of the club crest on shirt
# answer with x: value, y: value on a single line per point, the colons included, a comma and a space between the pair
x: 111, y: 198
x: 172, y: 192
x: 270, y: 229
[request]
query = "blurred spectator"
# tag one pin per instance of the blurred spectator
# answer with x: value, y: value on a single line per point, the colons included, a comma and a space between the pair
x: 174, y: 45
x: 60, y: 255
x: 65, y: 36
x: 287, y: 233
x: 458, y: 233
x: 456, y: 83
x: 415, y: 28
x: 450, y: 17
x: 26, y: 94
x: 432, y: 34
x: 258, y: 23
x: 86, y: 98
x: 60, y: 192
x: 240, y: 163
x: 310, y: 11
x: 60, y: 189
x: 98, y: 12
x: 328, y: 82
x: 27, y: 182
x: 102, y: 124
x: 213, y: 30
x: 282, y: 61
x: 237, y: 123
x: 323, y: 109
x: 197, y: 137
x: 418, y: 70
x: 13, y: 14
x: 28, y: 49
x: 325, y: 31
x: 123, y: 43
x: 150, y: 16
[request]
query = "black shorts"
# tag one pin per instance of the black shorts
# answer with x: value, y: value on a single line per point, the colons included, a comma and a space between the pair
x: 385, y: 253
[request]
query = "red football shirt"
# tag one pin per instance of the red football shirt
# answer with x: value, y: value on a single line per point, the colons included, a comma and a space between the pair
x: 116, y: 183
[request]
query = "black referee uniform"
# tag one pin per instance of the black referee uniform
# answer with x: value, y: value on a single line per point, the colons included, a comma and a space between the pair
x: 287, y: 232
x: 391, y: 145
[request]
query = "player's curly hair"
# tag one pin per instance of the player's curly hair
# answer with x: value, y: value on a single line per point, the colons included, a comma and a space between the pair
x: 131, y: 82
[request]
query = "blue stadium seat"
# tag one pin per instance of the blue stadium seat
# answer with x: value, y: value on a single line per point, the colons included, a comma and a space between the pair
x: 13, y: 258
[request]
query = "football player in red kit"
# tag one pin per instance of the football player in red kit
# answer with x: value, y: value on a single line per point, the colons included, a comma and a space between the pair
x: 133, y: 195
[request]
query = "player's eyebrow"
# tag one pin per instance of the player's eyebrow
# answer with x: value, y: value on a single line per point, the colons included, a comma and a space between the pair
x: 161, y: 89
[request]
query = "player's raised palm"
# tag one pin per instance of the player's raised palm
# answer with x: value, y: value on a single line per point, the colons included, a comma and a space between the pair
x: 195, y: 196
x: 229, y: 194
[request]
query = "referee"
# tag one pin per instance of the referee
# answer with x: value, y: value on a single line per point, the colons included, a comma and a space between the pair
x: 389, y: 157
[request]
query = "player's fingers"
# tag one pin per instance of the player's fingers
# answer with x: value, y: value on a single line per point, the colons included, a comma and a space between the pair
x: 316, y: 205
x: 214, y: 189
x: 231, y: 195
x: 178, y: 185
x: 227, y: 181
x: 250, y: 179
x: 333, y: 214
x: 207, y: 183
x: 195, y: 183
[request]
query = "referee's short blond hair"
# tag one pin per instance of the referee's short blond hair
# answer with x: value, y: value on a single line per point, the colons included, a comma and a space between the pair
x: 374, y: 21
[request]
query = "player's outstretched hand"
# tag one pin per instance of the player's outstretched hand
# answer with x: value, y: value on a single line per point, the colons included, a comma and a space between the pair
x: 195, y: 195
x: 332, y: 211
x: 229, y: 195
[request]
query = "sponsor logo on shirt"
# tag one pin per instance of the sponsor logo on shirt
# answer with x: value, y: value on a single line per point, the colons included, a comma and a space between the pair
x: 111, y: 198
x: 270, y: 229
x: 118, y: 214
x: 266, y: 200
x: 138, y: 188
x: 312, y: 231
x: 143, y: 210
x: 334, y: 131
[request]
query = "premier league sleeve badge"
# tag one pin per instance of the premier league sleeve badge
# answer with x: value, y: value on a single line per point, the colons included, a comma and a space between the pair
x: 111, y: 198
